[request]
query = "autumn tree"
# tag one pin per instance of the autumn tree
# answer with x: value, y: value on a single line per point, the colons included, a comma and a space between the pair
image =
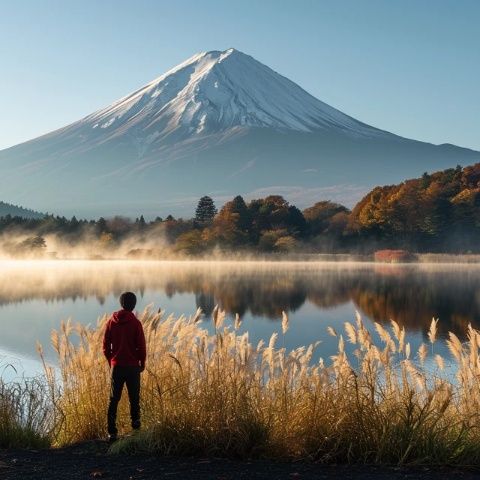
x: 438, y: 212
x: 232, y: 225
x: 319, y: 216
x: 190, y: 243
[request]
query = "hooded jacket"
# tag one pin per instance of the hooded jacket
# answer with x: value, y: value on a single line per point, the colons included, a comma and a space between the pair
x: 124, y: 340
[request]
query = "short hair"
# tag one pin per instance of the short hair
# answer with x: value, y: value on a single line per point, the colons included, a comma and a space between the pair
x: 128, y: 300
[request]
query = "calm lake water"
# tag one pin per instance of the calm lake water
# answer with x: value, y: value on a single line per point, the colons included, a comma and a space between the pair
x: 36, y: 296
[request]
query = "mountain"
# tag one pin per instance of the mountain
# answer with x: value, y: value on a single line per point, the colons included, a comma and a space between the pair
x: 15, y: 211
x: 220, y: 123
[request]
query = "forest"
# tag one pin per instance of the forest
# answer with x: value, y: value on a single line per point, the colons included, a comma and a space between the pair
x: 439, y: 212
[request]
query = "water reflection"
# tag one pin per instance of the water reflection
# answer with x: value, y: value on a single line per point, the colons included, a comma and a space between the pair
x: 38, y: 295
x: 412, y: 296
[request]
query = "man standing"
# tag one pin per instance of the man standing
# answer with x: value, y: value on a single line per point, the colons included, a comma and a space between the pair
x: 124, y: 348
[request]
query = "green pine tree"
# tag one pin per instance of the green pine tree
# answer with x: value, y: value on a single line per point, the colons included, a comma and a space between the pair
x: 205, y: 211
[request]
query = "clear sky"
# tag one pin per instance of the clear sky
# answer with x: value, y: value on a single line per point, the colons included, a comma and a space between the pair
x: 408, y: 66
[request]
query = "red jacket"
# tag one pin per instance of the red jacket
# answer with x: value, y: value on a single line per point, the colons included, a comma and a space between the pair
x: 124, y: 340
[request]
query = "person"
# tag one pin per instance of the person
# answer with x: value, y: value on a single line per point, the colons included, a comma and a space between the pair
x: 125, y: 351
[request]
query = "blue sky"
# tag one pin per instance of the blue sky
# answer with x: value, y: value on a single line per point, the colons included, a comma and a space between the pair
x: 410, y: 67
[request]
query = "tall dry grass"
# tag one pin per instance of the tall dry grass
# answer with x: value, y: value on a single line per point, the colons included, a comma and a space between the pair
x: 25, y: 414
x: 218, y: 394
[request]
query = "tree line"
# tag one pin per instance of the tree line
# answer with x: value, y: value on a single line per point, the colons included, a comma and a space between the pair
x: 439, y: 212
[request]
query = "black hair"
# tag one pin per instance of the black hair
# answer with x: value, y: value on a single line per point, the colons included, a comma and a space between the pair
x: 128, y: 300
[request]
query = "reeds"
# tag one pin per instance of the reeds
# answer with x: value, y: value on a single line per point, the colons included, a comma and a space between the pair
x: 25, y: 414
x: 217, y: 394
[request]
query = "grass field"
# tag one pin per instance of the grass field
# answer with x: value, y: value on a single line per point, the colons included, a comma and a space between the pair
x: 217, y: 394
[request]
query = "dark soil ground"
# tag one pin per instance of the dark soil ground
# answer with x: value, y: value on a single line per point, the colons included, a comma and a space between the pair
x: 91, y: 460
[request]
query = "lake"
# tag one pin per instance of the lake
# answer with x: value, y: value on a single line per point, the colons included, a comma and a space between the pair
x: 36, y: 296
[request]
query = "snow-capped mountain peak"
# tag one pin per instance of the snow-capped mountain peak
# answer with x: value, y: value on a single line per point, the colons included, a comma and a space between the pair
x: 216, y: 91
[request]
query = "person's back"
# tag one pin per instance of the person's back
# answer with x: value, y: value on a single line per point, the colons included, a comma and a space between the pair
x: 124, y: 336
x: 124, y: 348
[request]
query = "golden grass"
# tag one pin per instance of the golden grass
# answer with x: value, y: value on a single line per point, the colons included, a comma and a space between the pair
x: 218, y: 394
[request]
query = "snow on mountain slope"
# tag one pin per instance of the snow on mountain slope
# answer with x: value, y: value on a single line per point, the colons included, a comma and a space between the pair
x: 213, y: 92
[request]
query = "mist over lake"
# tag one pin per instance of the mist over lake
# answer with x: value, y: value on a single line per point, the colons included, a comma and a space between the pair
x: 36, y: 296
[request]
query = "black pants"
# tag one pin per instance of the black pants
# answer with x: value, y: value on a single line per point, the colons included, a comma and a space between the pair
x: 120, y: 376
